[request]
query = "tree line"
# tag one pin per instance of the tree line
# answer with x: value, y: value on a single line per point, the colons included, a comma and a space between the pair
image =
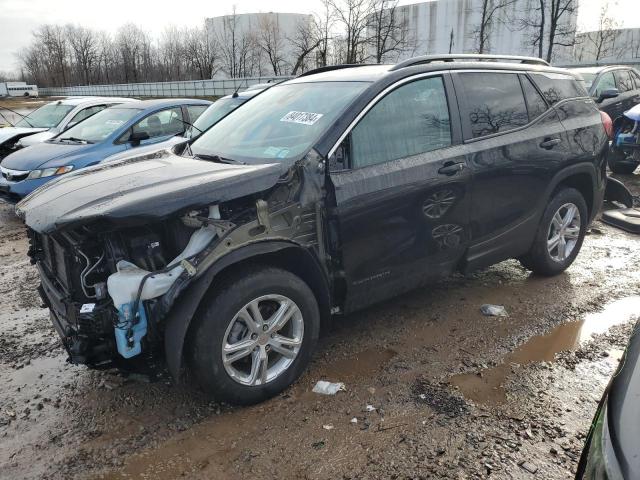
x: 342, y: 31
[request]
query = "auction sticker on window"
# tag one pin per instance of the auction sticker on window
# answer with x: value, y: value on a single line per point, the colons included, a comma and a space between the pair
x: 305, y: 118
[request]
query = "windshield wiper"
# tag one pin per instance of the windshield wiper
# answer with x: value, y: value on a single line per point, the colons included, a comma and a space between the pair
x: 74, y: 139
x: 218, y: 159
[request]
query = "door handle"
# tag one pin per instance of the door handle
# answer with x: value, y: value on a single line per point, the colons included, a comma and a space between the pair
x: 549, y: 143
x: 451, y: 168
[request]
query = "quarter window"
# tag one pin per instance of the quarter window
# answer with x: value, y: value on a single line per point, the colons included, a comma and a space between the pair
x: 411, y: 120
x: 495, y: 102
x: 86, y: 113
x: 556, y: 87
x: 195, y: 111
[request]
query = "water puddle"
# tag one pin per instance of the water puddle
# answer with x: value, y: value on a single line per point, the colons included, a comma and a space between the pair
x: 487, y: 386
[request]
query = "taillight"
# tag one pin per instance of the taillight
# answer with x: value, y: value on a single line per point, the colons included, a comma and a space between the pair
x: 608, y: 124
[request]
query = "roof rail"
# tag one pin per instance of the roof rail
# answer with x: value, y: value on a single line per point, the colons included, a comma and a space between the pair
x: 451, y: 58
x: 329, y: 68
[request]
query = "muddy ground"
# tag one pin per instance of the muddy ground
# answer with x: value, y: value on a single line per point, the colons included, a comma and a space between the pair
x: 452, y: 393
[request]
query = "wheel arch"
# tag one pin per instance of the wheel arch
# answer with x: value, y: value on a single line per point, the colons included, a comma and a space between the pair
x: 584, y: 178
x: 283, y: 254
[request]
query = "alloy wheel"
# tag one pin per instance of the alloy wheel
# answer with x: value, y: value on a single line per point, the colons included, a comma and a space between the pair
x: 564, y: 232
x: 262, y: 340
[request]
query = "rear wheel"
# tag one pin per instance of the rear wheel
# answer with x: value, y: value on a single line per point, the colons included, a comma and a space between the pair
x: 560, y: 234
x: 255, y: 336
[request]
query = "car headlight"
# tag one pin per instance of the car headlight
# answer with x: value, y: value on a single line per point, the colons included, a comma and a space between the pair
x: 49, y: 172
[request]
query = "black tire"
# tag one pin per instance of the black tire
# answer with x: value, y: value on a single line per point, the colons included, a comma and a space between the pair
x: 206, y: 336
x: 539, y: 259
x: 618, y: 162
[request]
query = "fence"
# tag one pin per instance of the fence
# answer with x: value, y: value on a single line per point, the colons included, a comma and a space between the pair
x: 190, y: 88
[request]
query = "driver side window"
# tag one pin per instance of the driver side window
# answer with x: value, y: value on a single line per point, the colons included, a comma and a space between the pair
x: 161, y: 124
x: 606, y: 82
x: 411, y: 120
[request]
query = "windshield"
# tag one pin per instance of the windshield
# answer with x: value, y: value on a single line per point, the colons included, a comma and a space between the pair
x: 47, y: 116
x: 588, y: 79
x: 98, y: 127
x: 213, y: 114
x: 281, y: 123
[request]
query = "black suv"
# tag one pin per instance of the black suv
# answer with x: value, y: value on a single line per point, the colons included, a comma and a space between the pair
x: 322, y: 195
x: 615, y: 89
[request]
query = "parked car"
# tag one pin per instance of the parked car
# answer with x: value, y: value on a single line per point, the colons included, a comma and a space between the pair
x: 612, y: 450
x: 209, y: 117
x: 325, y: 194
x: 624, y: 156
x: 115, y: 129
x: 615, y: 89
x: 51, y: 119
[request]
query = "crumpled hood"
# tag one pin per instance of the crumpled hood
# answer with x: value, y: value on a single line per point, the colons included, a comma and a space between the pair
x: 9, y: 133
x: 42, y: 153
x: 37, y: 138
x: 141, y: 190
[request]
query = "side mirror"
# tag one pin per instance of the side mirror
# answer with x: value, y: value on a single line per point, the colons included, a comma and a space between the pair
x: 611, y: 93
x: 137, y: 136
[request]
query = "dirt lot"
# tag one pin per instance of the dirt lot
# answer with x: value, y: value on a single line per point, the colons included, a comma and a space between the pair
x: 437, y: 390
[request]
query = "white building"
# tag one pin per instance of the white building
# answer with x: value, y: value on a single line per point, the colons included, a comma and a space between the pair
x: 256, y: 44
x: 619, y: 45
x: 451, y: 26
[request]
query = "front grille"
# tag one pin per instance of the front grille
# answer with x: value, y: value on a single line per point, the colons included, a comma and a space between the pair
x: 13, y: 175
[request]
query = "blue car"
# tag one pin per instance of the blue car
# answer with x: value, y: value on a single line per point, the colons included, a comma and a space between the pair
x: 113, y: 130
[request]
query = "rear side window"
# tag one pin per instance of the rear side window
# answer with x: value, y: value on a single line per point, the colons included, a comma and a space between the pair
x: 636, y: 78
x: 556, y: 87
x: 495, y: 102
x: 410, y: 120
x: 195, y: 111
x: 535, y: 103
x: 624, y: 80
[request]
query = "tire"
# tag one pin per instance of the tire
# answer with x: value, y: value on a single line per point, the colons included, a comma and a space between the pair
x: 545, y: 261
x: 221, y: 319
x: 618, y: 162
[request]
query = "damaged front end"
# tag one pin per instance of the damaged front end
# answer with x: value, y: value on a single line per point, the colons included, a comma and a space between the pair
x: 112, y: 268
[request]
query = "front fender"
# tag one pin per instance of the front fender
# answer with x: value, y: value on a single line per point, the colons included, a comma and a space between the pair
x: 179, y: 317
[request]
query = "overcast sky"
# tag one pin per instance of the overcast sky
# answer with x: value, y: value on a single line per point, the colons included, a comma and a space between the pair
x: 19, y: 17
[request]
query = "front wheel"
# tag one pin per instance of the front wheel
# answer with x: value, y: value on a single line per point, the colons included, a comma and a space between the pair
x: 560, y: 234
x: 255, y: 336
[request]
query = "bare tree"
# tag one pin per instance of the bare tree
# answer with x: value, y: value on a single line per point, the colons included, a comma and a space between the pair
x: 84, y: 46
x: 323, y: 23
x: 603, y: 39
x: 237, y: 48
x: 489, y: 14
x: 353, y: 16
x: 201, y: 53
x: 551, y: 23
x: 304, y: 43
x: 271, y: 41
x: 387, y: 30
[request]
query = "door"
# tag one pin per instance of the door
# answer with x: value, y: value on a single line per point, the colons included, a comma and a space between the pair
x: 401, y: 192
x: 515, y: 146
x: 629, y: 95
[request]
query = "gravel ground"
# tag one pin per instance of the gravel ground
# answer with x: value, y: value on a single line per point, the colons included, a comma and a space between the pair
x: 437, y: 390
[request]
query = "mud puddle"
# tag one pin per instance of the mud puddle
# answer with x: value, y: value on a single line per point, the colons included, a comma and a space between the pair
x: 487, y: 386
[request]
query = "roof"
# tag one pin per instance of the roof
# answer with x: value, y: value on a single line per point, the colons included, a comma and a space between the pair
x: 164, y: 102
x: 373, y: 73
x: 597, y: 70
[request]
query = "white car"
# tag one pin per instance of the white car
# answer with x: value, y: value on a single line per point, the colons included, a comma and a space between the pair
x: 51, y: 119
